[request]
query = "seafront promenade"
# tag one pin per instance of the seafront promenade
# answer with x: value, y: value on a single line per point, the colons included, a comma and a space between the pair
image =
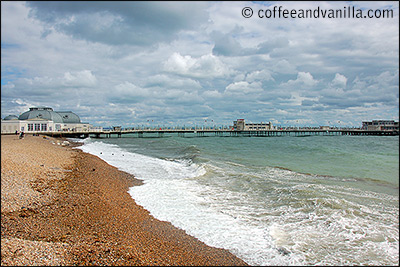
x: 161, y: 132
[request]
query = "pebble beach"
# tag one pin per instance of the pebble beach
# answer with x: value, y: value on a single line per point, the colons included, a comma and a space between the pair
x: 61, y: 206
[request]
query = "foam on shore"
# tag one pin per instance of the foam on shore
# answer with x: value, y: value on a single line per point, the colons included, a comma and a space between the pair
x: 91, y: 217
x: 264, y: 215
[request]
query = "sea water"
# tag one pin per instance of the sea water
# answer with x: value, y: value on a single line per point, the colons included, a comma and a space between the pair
x: 316, y: 200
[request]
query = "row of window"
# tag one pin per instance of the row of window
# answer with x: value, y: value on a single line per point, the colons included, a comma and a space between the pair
x: 380, y: 123
x: 257, y: 124
x: 257, y: 128
x: 37, y: 127
x: 389, y: 128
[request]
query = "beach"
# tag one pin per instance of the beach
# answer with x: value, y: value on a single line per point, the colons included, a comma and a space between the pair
x: 61, y: 206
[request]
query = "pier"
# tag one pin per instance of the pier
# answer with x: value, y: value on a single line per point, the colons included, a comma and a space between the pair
x: 160, y: 132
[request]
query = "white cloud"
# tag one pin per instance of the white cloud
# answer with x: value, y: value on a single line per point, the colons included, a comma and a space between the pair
x: 203, y: 67
x: 244, y: 87
x: 83, y: 78
x: 263, y: 75
x: 303, y: 79
x: 212, y: 94
x: 129, y: 91
x: 339, y: 80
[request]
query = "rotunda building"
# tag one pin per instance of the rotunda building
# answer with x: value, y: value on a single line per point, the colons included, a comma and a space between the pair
x: 43, y: 119
x: 44, y: 113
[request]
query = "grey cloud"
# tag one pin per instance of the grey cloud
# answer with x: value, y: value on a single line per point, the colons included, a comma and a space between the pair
x: 129, y: 93
x: 318, y: 108
x: 116, y: 23
x: 51, y: 86
x: 178, y: 97
x: 228, y: 44
x: 283, y: 66
x: 268, y: 46
x: 363, y: 92
x: 165, y: 81
x: 307, y: 102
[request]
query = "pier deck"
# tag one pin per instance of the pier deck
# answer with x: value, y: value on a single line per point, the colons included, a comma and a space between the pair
x: 217, y: 132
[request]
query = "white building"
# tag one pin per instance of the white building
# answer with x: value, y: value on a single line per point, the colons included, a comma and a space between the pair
x: 43, y: 119
x: 380, y: 125
x: 240, y: 125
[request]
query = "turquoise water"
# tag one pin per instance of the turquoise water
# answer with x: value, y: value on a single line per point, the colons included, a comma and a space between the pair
x: 329, y: 200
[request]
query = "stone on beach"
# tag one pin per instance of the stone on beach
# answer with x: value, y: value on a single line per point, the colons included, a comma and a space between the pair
x: 61, y: 206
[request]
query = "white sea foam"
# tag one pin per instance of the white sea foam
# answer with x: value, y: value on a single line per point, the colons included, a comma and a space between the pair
x: 170, y: 194
x: 300, y: 222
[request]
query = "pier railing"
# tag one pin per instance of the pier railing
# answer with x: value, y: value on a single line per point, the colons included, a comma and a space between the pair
x: 218, y: 132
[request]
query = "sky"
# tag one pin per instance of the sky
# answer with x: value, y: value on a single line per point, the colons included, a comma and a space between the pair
x: 200, y: 63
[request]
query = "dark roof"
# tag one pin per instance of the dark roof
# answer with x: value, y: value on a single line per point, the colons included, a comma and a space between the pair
x: 69, y: 117
x: 11, y: 117
x: 47, y: 113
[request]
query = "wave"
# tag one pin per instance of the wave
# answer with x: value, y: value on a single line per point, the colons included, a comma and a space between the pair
x: 264, y: 215
x: 366, y: 180
x: 142, y: 166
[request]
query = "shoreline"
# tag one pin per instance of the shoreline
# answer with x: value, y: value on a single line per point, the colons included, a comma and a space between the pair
x: 75, y: 209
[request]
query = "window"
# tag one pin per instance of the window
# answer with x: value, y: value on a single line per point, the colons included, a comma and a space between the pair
x: 30, y: 127
x: 37, y: 126
x: 44, y: 127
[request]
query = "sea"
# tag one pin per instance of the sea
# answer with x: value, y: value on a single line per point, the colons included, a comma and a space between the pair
x: 281, y: 200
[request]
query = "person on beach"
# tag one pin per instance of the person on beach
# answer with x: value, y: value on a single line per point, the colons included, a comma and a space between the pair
x: 21, y: 135
x: 16, y: 132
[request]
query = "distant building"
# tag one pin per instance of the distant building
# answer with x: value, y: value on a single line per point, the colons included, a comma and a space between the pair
x: 43, y: 119
x: 380, y: 125
x: 240, y: 125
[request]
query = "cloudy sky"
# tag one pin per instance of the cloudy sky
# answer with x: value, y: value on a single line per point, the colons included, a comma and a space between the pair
x: 199, y: 63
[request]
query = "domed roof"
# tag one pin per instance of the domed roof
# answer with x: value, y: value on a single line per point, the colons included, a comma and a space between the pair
x: 44, y: 113
x: 69, y: 117
x: 11, y: 117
